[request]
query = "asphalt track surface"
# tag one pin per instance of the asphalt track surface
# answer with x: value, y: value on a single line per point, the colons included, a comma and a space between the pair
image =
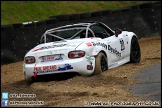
x: 149, y: 86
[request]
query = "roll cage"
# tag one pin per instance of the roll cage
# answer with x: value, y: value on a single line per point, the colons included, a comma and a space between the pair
x: 81, y: 27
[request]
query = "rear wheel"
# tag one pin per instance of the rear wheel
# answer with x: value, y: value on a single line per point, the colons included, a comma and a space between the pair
x: 135, y: 55
x: 101, y: 64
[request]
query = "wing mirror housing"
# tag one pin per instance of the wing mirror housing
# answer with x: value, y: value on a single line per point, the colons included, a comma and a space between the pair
x: 117, y: 31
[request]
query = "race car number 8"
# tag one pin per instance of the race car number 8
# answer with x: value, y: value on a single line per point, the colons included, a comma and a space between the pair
x: 122, y: 44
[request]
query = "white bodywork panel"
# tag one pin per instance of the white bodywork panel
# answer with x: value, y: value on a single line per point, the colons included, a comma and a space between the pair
x: 116, y: 49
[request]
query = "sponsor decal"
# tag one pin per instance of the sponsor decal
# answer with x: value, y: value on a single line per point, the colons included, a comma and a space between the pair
x: 70, y: 45
x: 51, y: 58
x: 113, y: 64
x: 58, y: 58
x: 124, y: 35
x: 48, y: 47
x: 88, y: 44
x: 65, y: 67
x: 89, y: 67
x: 122, y: 44
x: 89, y: 59
x: 114, y: 51
x: 45, y: 69
x: 36, y: 49
x: 52, y: 68
x: 67, y: 29
x: 53, y: 46
x: 99, y: 44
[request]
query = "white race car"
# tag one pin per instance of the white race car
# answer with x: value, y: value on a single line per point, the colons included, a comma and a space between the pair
x: 88, y: 48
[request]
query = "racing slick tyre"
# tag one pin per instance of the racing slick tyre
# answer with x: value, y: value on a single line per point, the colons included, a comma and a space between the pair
x: 135, y: 55
x: 100, y: 64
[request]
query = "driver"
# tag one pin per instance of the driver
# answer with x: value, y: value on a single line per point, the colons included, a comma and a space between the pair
x: 83, y: 34
x: 90, y: 34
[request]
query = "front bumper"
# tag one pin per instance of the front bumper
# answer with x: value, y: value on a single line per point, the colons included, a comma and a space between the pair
x: 78, y: 65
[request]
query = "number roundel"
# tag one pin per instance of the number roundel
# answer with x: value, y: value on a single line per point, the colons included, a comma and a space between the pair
x: 122, y: 44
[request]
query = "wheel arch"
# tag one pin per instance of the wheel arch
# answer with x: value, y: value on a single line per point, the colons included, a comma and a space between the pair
x: 135, y: 37
x: 131, y: 40
x: 131, y: 56
x: 96, y: 53
x: 100, y: 65
x: 104, y: 53
x: 131, y: 35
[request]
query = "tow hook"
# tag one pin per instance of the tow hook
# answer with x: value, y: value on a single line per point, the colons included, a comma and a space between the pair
x: 35, y: 75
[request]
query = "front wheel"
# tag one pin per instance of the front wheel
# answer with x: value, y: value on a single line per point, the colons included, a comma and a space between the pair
x: 135, y: 54
x: 101, y: 64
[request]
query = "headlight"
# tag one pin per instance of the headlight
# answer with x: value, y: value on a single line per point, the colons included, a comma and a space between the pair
x: 76, y: 54
x: 30, y: 59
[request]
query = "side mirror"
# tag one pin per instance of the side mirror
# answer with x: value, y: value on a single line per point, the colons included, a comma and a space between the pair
x: 117, y: 31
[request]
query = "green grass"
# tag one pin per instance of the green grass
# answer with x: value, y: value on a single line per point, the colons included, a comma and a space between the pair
x: 24, y: 11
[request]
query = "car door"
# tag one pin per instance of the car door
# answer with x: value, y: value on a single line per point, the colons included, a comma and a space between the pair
x: 123, y: 38
x: 116, y: 45
x: 113, y: 42
x: 114, y: 49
